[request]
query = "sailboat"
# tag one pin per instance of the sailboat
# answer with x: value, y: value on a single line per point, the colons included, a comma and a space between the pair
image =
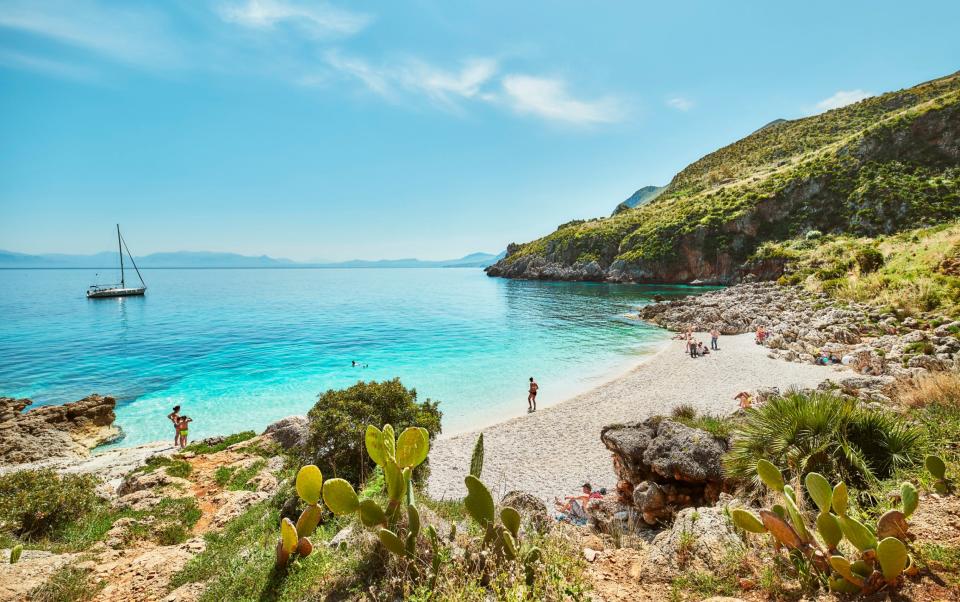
x: 97, y: 291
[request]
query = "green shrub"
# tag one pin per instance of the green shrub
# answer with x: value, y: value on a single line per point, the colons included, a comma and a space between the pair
x: 825, y: 433
x: 203, y: 448
x: 869, y: 259
x: 813, y: 235
x: 175, y: 467
x: 339, y: 420
x: 34, y: 503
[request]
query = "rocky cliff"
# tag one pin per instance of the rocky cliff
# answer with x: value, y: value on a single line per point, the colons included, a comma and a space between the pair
x: 65, y: 431
x: 879, y: 166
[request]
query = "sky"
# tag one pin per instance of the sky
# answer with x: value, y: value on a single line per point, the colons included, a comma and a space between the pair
x: 432, y: 129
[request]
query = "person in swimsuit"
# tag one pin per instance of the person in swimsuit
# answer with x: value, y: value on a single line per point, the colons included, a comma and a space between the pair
x: 182, y: 429
x: 714, y: 335
x: 174, y: 417
x: 532, y: 397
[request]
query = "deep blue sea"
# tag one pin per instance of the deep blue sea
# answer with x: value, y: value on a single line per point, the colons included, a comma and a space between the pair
x: 239, y: 349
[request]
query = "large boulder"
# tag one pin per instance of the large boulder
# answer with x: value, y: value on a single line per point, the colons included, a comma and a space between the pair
x: 63, y: 431
x: 531, y: 508
x: 662, y: 466
x: 289, y: 432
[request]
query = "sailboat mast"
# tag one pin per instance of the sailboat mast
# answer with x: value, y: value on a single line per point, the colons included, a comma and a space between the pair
x: 120, y: 248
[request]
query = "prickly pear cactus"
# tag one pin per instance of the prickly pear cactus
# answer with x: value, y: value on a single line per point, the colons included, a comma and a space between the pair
x: 15, y: 554
x: 476, y: 459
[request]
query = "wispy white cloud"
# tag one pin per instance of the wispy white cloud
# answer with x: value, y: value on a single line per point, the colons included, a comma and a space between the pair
x: 46, y: 66
x: 842, y: 98
x: 120, y: 33
x: 315, y: 18
x: 415, y: 76
x: 680, y: 103
x: 477, y: 80
x: 548, y: 98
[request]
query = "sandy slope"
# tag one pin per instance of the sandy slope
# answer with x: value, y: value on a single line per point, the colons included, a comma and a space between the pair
x: 553, y: 451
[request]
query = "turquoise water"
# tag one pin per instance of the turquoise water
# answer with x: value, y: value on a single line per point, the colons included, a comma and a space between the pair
x: 239, y: 349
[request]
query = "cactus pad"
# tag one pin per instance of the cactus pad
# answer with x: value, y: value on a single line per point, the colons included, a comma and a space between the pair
x: 413, y: 521
x: 479, y: 502
x: 820, y: 490
x: 371, y: 514
x: 770, y: 475
x: 842, y: 566
x: 391, y: 542
x: 841, y: 585
x: 340, y: 497
x: 892, y: 555
x: 308, y: 521
x: 15, y: 553
x: 828, y: 526
x: 909, y: 498
x: 893, y: 524
x: 389, y: 442
x: 839, y: 498
x: 795, y: 517
x: 936, y: 467
x: 511, y: 520
x: 747, y: 521
x: 781, y: 530
x: 373, y: 439
x: 309, y: 484
x: 476, y: 459
x: 288, y: 536
x: 304, y: 547
x: 857, y: 533
x: 413, y: 445
x: 396, y: 485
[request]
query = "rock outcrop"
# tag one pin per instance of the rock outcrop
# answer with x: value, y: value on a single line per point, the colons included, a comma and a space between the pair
x: 803, y: 326
x: 663, y: 466
x: 64, y: 431
x: 289, y: 432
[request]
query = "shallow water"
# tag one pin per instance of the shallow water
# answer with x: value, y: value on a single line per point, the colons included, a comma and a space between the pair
x: 239, y: 349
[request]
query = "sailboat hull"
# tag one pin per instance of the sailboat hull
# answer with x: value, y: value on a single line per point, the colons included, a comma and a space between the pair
x: 115, y: 292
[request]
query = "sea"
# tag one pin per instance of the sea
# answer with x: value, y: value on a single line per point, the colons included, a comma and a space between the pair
x: 241, y: 348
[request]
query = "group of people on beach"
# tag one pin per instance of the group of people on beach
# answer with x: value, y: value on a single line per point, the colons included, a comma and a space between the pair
x: 696, y: 348
x: 180, y: 427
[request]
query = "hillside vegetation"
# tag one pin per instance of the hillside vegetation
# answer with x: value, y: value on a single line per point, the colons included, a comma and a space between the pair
x: 875, y: 167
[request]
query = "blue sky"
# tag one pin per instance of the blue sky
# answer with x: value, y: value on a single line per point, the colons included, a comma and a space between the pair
x: 333, y: 130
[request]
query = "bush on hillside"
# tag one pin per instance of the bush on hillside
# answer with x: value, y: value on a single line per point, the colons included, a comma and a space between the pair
x: 869, y: 259
x: 34, y: 503
x: 825, y: 433
x: 340, y: 417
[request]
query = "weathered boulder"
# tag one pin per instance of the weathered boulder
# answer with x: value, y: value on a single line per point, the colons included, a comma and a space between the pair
x: 531, y: 508
x: 289, y: 432
x: 65, y: 431
x: 662, y: 466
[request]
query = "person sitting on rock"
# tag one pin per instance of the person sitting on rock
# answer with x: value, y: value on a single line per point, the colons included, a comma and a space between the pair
x: 761, y: 335
x: 744, y: 398
x: 574, y: 508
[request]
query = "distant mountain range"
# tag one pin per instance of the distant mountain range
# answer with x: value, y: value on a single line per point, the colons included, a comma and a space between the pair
x: 206, y: 259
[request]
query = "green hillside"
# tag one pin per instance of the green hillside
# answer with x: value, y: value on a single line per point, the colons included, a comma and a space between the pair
x: 881, y: 165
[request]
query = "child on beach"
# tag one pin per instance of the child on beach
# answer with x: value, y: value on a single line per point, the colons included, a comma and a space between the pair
x: 182, y: 429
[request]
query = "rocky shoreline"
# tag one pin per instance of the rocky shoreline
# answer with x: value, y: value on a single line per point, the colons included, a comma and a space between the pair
x: 65, y: 432
x: 804, y: 325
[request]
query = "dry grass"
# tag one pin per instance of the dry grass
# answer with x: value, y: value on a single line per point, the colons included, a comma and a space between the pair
x: 936, y: 388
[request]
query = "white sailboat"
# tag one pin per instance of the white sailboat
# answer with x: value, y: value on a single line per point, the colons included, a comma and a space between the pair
x: 97, y: 291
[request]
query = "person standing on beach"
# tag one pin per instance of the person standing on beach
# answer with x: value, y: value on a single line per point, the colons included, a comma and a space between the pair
x: 714, y: 336
x: 532, y: 397
x: 174, y: 417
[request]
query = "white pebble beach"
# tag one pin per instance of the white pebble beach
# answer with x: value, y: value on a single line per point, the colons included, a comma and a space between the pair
x: 554, y: 450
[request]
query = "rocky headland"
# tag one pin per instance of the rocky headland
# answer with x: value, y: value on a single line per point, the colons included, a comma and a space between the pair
x: 66, y: 431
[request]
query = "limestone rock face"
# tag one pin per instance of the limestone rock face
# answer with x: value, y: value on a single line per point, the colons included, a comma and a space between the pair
x: 289, y: 432
x: 663, y: 466
x: 65, y: 431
